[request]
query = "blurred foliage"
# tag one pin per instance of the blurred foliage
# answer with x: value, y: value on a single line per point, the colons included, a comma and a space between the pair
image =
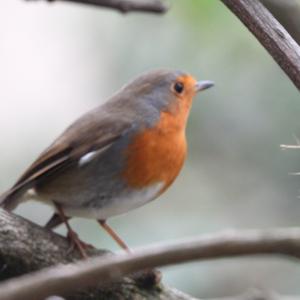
x: 60, y: 60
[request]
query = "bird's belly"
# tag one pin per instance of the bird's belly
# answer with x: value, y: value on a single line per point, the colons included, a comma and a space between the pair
x: 111, y: 206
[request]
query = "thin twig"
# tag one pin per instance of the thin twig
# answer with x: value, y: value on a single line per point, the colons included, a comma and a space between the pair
x: 124, y: 6
x: 270, y: 33
x: 289, y: 147
x: 60, y: 280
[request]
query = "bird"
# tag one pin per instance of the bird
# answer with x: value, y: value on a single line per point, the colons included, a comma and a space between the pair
x: 116, y: 157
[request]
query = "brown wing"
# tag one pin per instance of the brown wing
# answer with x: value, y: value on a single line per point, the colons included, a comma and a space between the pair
x: 53, y: 160
x: 49, y: 159
x: 85, y: 135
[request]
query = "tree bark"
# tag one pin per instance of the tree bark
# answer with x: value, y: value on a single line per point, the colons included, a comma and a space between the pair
x: 26, y: 247
x: 287, y: 12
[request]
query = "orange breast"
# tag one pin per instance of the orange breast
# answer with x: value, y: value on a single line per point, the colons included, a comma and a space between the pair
x: 157, y: 154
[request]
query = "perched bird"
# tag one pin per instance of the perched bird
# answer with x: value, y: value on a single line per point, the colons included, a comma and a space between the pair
x: 116, y: 157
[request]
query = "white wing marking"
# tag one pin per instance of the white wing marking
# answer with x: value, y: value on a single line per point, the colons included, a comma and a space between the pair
x: 85, y: 159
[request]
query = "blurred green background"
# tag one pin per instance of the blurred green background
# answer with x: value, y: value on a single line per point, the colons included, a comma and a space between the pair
x: 59, y: 60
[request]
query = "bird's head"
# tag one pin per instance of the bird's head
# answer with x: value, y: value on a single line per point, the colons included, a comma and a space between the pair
x: 166, y: 90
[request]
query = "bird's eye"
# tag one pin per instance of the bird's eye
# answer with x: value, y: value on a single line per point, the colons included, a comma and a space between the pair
x: 178, y: 87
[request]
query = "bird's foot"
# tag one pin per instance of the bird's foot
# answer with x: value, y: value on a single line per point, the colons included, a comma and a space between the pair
x: 76, y: 243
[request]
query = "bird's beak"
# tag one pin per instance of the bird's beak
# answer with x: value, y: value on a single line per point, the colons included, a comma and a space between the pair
x: 203, y: 85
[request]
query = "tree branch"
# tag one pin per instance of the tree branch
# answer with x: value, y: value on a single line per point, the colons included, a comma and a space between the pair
x: 270, y: 33
x: 17, y: 234
x: 288, y: 14
x: 25, y: 247
x: 124, y: 6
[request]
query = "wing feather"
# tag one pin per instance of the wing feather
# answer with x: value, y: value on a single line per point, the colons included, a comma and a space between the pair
x: 79, y: 139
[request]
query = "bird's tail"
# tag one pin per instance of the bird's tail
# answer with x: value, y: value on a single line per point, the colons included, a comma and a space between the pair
x: 10, y: 199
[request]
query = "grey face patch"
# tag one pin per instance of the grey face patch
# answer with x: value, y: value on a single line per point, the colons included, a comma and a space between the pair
x: 154, y: 89
x: 148, y: 94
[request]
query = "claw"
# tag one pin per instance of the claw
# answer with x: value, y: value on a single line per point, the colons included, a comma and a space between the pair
x: 72, y: 235
x: 75, y: 242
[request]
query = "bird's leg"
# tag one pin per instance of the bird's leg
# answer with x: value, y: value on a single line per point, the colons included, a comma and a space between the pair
x: 146, y: 278
x: 72, y: 235
x: 54, y: 221
x: 114, y: 235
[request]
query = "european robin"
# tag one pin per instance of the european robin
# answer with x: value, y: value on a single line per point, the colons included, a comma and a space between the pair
x: 116, y: 157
